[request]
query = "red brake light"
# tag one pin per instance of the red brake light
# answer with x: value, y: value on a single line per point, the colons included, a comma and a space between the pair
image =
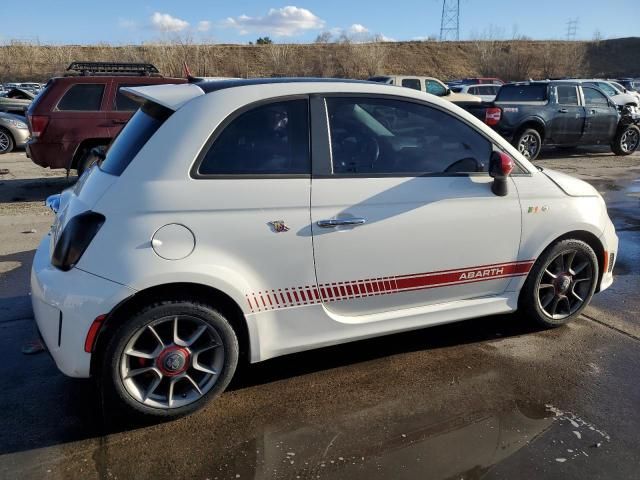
x: 492, y: 116
x: 38, y: 123
x: 92, y: 334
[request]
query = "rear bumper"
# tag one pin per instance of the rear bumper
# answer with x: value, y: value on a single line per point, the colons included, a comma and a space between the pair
x: 52, y: 155
x: 65, y: 305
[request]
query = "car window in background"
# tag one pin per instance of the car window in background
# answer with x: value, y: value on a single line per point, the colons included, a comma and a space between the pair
x: 124, y: 103
x: 567, y: 95
x: 594, y: 98
x: 271, y: 139
x: 435, y: 88
x: 136, y: 133
x: 411, y: 83
x: 82, y: 97
x: 395, y: 137
x: 606, y: 88
x: 522, y: 93
x: 456, y: 89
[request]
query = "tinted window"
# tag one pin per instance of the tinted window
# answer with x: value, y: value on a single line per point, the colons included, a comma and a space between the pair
x: 125, y: 103
x: 270, y: 139
x: 435, y: 88
x: 381, y: 136
x: 567, y: 95
x: 522, y: 93
x: 594, y: 98
x: 411, y: 83
x: 82, y: 96
x: 144, y: 123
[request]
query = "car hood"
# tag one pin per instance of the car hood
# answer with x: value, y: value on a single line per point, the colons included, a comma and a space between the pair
x: 624, y: 99
x: 572, y: 186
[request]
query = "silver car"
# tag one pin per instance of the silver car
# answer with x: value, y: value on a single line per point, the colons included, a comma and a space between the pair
x: 14, y: 132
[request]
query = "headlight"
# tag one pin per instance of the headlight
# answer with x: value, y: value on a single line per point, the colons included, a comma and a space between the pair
x: 16, y: 123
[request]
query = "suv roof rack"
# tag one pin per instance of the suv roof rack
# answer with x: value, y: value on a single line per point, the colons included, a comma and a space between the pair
x: 88, y: 69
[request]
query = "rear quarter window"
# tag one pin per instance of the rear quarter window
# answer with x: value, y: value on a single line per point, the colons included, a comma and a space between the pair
x: 82, y: 97
x: 522, y: 93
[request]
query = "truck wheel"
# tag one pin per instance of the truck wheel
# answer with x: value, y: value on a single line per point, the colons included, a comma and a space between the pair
x: 560, y: 284
x: 529, y: 143
x: 169, y: 359
x: 626, y: 141
x: 6, y: 141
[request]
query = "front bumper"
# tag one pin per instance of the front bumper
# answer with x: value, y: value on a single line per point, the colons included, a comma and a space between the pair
x: 609, y: 241
x: 65, y: 305
x: 20, y: 136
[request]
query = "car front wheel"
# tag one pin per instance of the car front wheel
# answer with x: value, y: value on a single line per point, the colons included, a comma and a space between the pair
x: 170, y: 358
x: 560, y: 284
x: 6, y: 141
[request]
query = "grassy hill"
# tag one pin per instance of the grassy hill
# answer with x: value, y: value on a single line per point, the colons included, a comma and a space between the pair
x: 510, y: 60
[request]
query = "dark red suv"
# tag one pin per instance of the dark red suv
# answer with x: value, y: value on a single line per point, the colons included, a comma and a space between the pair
x: 84, y: 110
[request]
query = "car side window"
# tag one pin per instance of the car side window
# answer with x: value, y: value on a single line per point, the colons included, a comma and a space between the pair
x: 473, y: 90
x: 594, y: 98
x: 435, y: 88
x: 396, y: 137
x: 124, y: 103
x: 83, y: 97
x: 269, y: 139
x: 567, y: 95
x: 411, y: 83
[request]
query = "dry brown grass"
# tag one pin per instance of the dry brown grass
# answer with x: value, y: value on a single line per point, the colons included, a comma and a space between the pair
x: 510, y: 60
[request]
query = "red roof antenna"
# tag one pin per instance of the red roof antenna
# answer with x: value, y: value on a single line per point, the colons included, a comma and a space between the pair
x: 187, y: 72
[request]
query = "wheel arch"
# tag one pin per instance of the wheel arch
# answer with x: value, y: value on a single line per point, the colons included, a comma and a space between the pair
x: 532, y: 122
x: 83, y: 146
x: 183, y: 291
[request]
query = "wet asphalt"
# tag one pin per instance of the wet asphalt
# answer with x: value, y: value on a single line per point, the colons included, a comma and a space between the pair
x: 492, y: 397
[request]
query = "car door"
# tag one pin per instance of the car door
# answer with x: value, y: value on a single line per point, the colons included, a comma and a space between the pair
x: 568, y: 119
x: 601, y: 118
x: 402, y: 212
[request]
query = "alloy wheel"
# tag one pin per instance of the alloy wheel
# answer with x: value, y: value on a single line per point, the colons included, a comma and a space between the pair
x: 4, y: 141
x: 528, y: 146
x: 172, y: 361
x: 565, y: 284
x: 629, y: 140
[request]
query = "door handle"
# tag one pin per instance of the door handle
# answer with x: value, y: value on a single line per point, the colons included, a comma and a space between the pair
x: 592, y: 112
x: 339, y: 222
x: 563, y: 110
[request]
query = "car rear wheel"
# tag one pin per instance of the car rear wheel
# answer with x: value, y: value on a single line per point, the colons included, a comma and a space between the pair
x: 529, y: 143
x: 626, y: 141
x: 170, y: 358
x: 560, y: 284
x: 6, y: 141
x: 87, y: 160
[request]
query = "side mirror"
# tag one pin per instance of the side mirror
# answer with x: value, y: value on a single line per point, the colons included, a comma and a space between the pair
x: 500, y: 167
x: 447, y: 92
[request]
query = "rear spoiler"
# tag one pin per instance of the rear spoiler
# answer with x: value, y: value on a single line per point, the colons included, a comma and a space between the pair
x: 172, y: 96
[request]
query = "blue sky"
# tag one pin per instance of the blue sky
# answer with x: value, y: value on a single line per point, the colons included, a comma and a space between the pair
x: 135, y: 21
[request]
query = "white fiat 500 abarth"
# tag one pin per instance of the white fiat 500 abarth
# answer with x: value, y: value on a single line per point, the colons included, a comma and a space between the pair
x: 256, y: 218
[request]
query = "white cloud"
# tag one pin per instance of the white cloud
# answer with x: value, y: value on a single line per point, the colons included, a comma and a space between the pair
x: 127, y: 23
x: 279, y: 22
x: 358, y: 28
x: 384, y: 38
x: 203, y: 26
x: 166, y: 23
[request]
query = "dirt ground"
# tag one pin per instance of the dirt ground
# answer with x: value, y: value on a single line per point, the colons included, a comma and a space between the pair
x: 486, y: 398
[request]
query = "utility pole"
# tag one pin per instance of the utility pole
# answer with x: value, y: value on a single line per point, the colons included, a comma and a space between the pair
x: 572, y: 29
x: 450, y: 23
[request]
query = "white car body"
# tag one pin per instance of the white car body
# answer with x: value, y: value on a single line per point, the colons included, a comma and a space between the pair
x: 487, y: 92
x: 434, y: 249
x: 619, y: 98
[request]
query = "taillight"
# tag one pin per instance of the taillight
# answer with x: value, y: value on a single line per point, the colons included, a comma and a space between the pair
x: 75, y: 238
x: 38, y: 123
x: 492, y: 116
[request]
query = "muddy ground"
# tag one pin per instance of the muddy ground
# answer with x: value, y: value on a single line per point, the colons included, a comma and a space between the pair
x: 487, y: 398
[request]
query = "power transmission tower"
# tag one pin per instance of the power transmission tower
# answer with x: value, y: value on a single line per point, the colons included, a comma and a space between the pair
x: 450, y: 23
x: 572, y: 29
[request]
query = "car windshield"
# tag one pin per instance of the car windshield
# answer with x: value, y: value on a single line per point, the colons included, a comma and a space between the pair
x: 144, y: 123
x: 522, y: 93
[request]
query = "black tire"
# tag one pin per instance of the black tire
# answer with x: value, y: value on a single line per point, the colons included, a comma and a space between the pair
x: 626, y: 141
x: 528, y: 143
x: 88, y: 159
x: 6, y: 141
x: 540, y: 284
x: 111, y: 376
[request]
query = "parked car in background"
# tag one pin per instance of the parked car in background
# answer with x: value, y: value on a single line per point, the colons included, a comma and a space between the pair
x: 622, y: 89
x: 426, y: 84
x: 477, y: 81
x: 198, y: 243
x: 84, y: 110
x: 31, y: 87
x: 486, y: 92
x: 14, y: 132
x: 16, y: 101
x: 559, y: 113
x: 632, y: 84
x: 618, y: 97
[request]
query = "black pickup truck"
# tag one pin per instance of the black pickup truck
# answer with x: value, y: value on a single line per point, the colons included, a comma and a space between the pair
x: 562, y: 114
